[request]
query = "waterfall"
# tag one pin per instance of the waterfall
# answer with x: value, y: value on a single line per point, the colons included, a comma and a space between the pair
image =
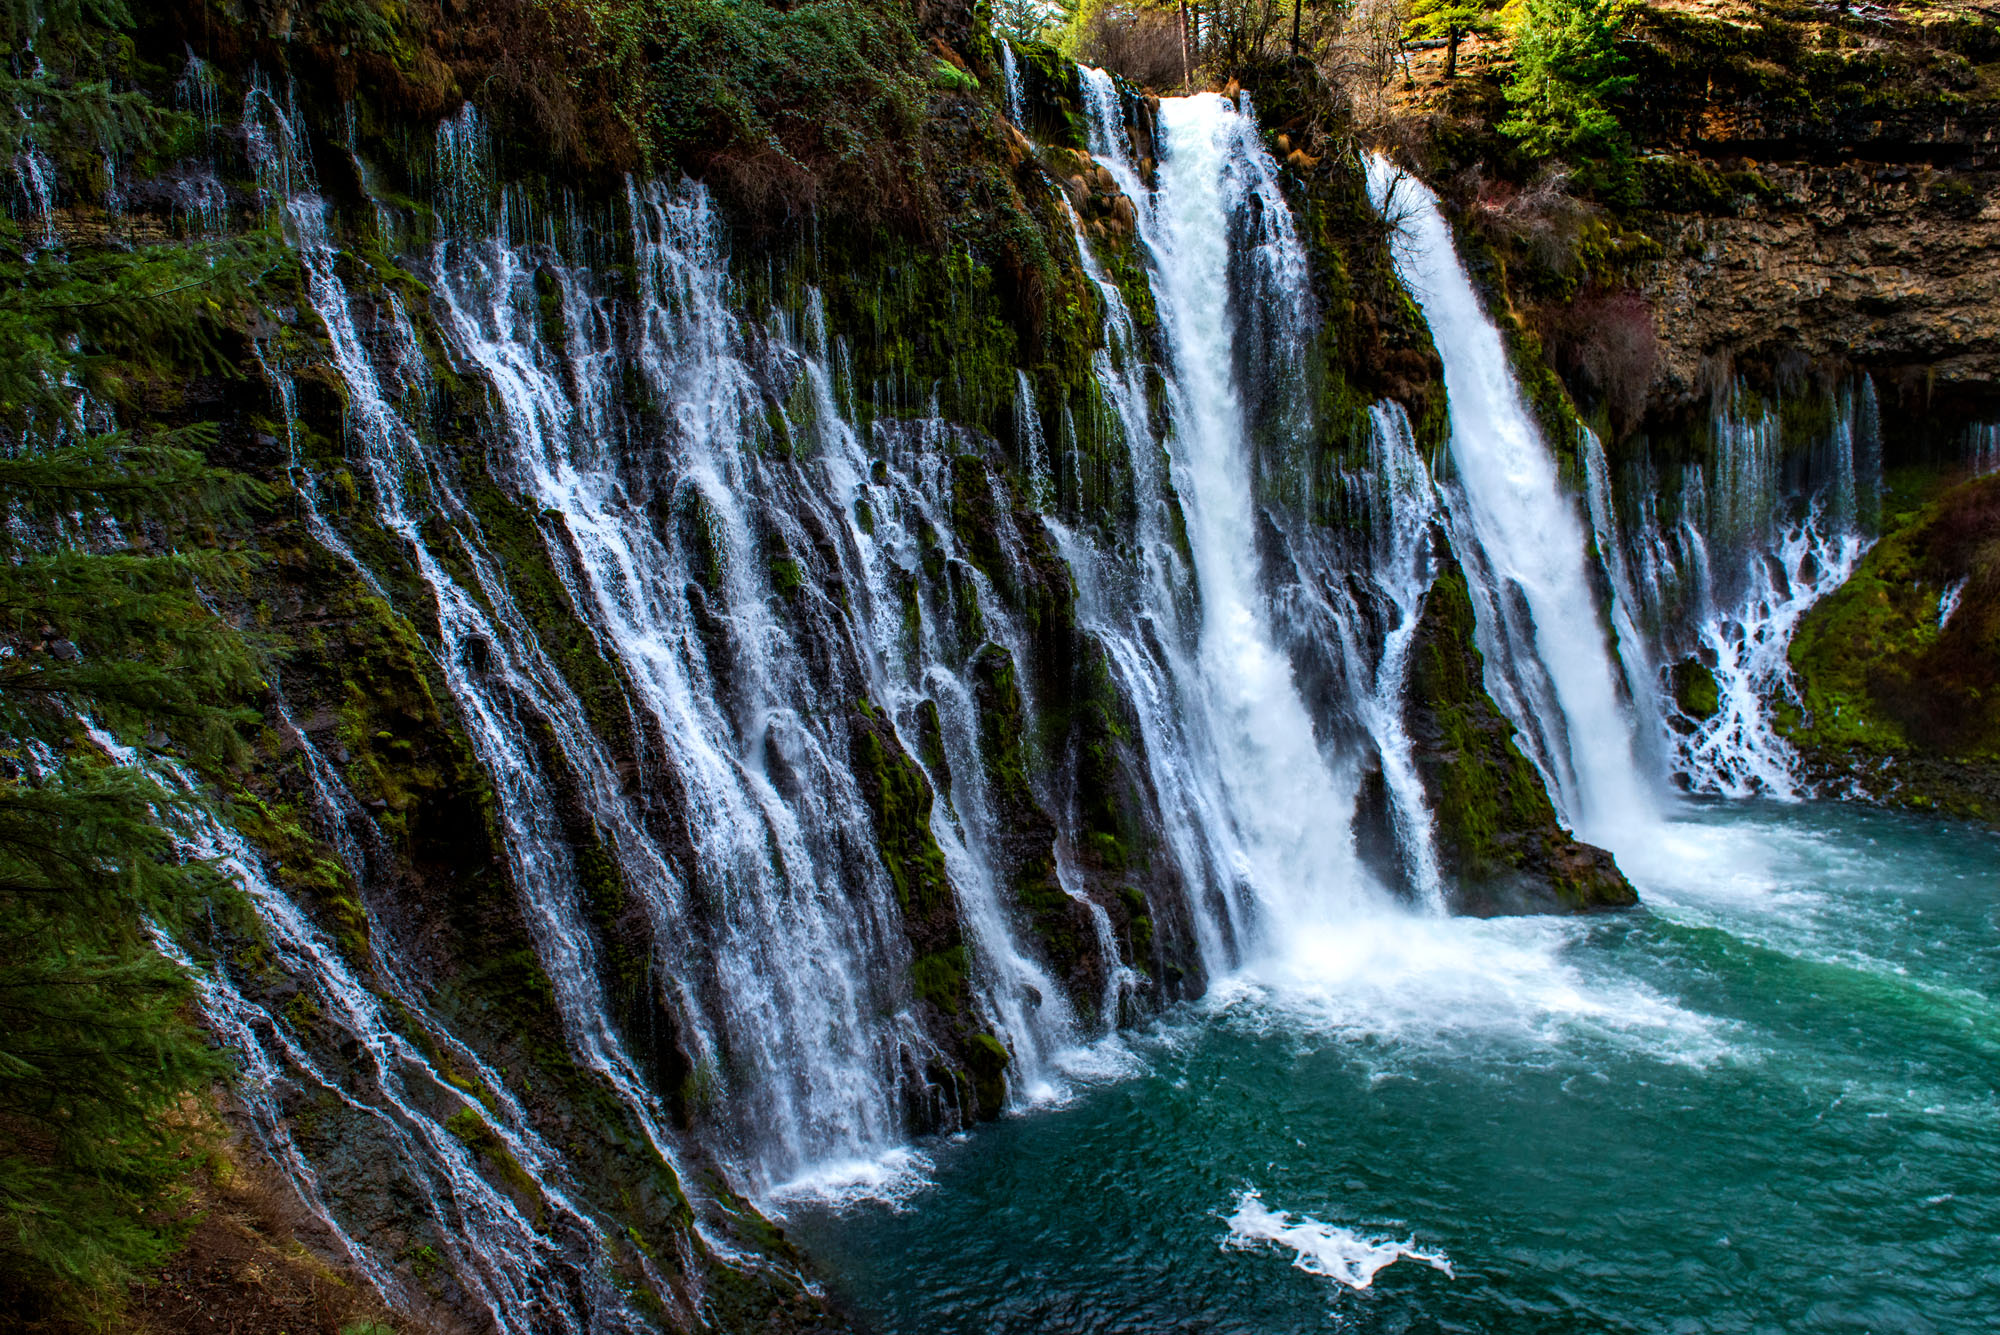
x: 795, y: 1003
x: 1405, y: 508
x: 1755, y: 542
x: 428, y: 1124
x: 1218, y: 192
x: 1029, y: 445
x: 1104, y: 122
x: 1549, y: 663
x: 490, y: 659
x: 1016, y: 107
x: 1636, y: 653
x: 774, y: 585
x: 1256, y: 804
x: 1982, y: 446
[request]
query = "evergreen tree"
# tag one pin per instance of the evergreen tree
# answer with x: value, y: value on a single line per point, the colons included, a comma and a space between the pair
x: 111, y: 551
x: 1452, y: 21
x: 1567, y: 68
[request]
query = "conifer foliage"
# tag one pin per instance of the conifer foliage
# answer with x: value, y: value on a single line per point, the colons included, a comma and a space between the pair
x: 1567, y: 71
x: 1451, y: 22
x: 110, y: 555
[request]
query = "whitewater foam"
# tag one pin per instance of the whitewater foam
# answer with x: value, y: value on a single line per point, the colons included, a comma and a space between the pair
x: 892, y: 1179
x: 1337, y: 1253
x: 1463, y: 988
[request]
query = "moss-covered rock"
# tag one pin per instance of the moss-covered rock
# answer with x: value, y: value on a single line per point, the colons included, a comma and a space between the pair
x: 1695, y: 692
x: 1026, y: 836
x: 901, y: 798
x: 1896, y: 695
x: 1499, y: 842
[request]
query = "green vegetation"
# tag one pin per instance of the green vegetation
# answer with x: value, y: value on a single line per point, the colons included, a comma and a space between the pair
x: 1883, y: 676
x: 779, y: 105
x: 1498, y: 836
x: 1451, y: 22
x: 901, y: 800
x: 1567, y: 71
x: 117, y: 541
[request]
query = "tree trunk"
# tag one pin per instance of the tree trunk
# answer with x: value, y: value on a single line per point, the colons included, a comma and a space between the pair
x: 1187, y: 64
x: 1297, y: 5
x: 1451, y: 39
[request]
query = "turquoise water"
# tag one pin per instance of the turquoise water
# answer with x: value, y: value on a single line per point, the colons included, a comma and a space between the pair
x: 1767, y: 1102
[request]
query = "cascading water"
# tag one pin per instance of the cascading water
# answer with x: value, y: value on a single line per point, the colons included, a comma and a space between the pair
x: 793, y: 1006
x: 1982, y: 446
x: 1404, y: 511
x: 1284, y: 796
x: 1255, y: 801
x: 487, y: 653
x: 1548, y: 662
x: 1011, y: 72
x: 1725, y: 582
x: 528, y: 1257
x: 1635, y: 652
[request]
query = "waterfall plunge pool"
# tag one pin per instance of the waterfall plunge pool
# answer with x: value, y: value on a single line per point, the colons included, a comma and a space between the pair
x: 1765, y: 1102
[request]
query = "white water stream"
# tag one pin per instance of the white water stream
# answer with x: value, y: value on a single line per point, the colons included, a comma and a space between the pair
x: 1549, y: 663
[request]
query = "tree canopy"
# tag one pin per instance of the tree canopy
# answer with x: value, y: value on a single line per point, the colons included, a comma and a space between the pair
x: 1567, y: 68
x: 1452, y: 21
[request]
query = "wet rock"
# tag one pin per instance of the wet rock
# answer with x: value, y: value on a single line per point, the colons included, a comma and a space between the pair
x: 1500, y: 845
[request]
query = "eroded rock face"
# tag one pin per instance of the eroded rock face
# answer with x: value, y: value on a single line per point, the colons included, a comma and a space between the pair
x: 1877, y: 264
x: 1827, y: 187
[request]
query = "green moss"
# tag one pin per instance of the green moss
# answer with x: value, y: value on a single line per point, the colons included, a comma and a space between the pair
x: 1003, y: 727
x: 930, y: 744
x: 483, y: 1140
x: 787, y: 576
x: 1694, y: 688
x: 1497, y: 832
x: 1885, y: 691
x: 900, y: 798
x: 943, y: 978
x: 987, y: 1060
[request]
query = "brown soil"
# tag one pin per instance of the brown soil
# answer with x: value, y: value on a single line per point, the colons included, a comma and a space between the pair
x: 257, y: 1263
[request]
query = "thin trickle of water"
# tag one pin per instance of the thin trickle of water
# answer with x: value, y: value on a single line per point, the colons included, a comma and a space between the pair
x: 200, y: 202
x: 1737, y: 752
x: 1635, y: 652
x: 500, y: 1246
x: 1549, y: 664
x: 1016, y: 106
x: 1726, y: 583
x: 462, y: 193
x: 1030, y: 445
x: 1403, y: 570
x: 36, y: 174
x: 1982, y: 446
x: 1949, y: 600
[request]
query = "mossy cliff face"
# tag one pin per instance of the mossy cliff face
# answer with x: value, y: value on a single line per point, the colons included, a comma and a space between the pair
x: 1898, y: 671
x: 1499, y: 842
x: 930, y: 243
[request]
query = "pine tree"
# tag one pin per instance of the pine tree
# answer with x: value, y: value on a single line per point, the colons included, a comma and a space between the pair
x: 1452, y: 21
x: 111, y: 553
x: 1567, y: 68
